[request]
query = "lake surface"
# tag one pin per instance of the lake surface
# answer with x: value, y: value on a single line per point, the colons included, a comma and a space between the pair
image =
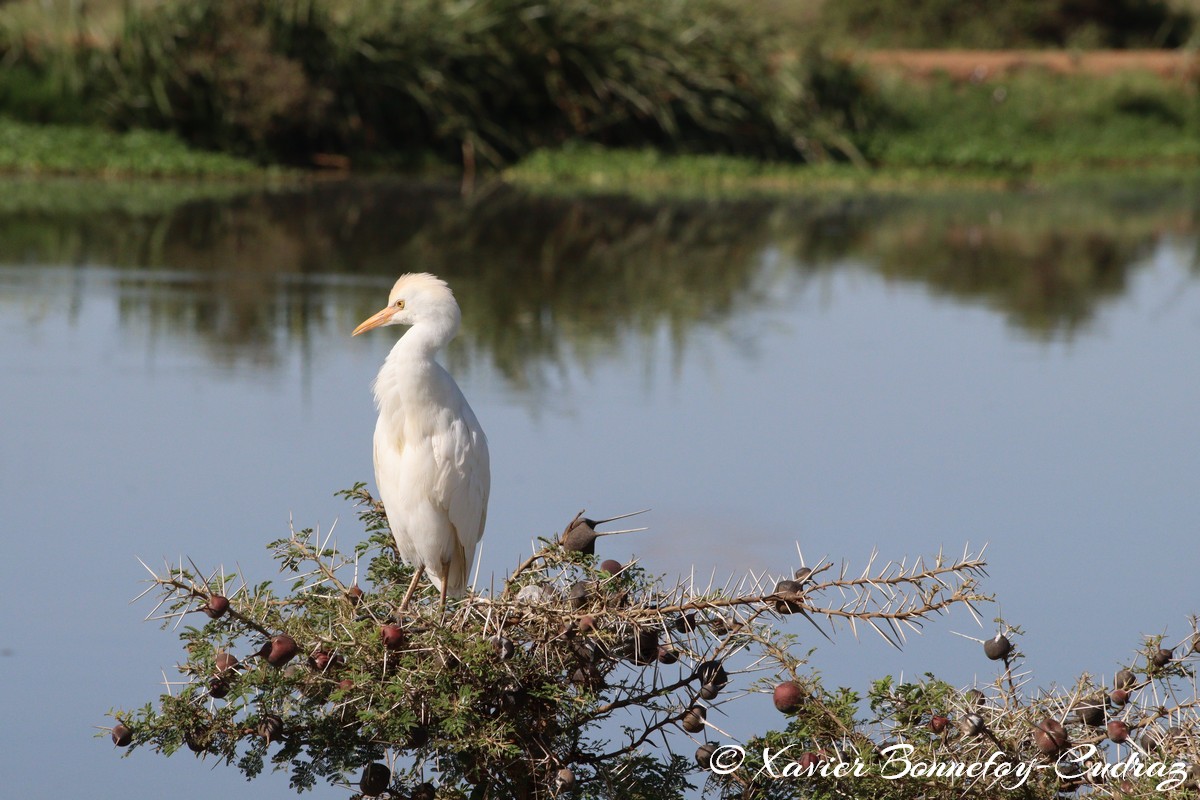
x: 851, y: 373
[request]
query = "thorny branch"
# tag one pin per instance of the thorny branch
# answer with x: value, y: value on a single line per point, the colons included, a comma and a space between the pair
x: 571, y: 645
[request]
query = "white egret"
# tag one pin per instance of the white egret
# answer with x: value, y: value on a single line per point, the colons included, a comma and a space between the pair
x: 431, y: 455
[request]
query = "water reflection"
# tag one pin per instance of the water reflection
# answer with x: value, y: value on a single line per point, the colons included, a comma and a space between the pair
x: 547, y: 280
x: 156, y: 337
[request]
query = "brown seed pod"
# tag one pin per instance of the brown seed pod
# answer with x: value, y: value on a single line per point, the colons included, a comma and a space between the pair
x: 121, y: 735
x: 1161, y: 657
x: 975, y: 697
x: 588, y: 676
x: 789, y: 696
x: 692, y: 720
x: 1195, y: 645
x: 1118, y: 731
x: 355, y: 595
x: 587, y: 652
x: 642, y: 647
x: 270, y: 727
x: 197, y: 739
x: 1152, y: 740
x: 810, y: 762
x: 224, y: 662
x: 712, y: 672
x: 611, y: 566
x: 502, y: 647
x: 417, y: 736
x: 938, y: 723
x: 686, y: 623
x: 580, y: 594
x: 704, y: 754
x: 972, y: 725
x: 786, y: 591
x: 565, y: 780
x: 802, y: 574
x: 375, y: 779
x: 393, y: 637
x: 218, y: 688
x: 587, y: 624
x: 216, y: 606
x: 345, y: 684
x: 1119, y: 697
x: 1090, y: 711
x: 323, y: 660
x: 666, y: 655
x: 580, y: 535
x: 1050, y: 737
x: 280, y: 650
x: 1124, y: 679
x: 424, y: 791
x: 1174, y: 736
x: 709, y: 691
x: 997, y: 648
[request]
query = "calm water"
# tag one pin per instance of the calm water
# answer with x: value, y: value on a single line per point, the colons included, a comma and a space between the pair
x: 178, y: 378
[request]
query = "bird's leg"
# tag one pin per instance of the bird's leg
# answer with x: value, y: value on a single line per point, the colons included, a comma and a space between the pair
x: 412, y: 587
x: 445, y: 588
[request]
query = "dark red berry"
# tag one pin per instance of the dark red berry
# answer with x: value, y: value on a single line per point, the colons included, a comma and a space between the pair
x: 270, y: 727
x: 224, y: 661
x: 217, y: 605
x: 1050, y: 737
x: 375, y: 779
x: 789, y: 696
x: 280, y: 650
x: 121, y: 735
x: 393, y: 637
x: 997, y: 648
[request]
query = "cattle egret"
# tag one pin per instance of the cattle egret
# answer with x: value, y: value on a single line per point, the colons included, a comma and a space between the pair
x: 431, y: 455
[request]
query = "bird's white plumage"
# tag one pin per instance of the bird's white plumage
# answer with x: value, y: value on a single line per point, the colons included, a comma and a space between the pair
x: 431, y: 455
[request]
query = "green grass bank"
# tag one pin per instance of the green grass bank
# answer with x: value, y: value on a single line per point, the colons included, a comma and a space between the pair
x: 692, y: 95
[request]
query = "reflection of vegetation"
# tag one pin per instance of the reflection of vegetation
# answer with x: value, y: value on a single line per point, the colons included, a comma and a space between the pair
x: 1047, y: 279
x: 551, y: 280
x: 78, y: 198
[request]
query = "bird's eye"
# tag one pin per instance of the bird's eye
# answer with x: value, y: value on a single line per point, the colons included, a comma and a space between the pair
x: 399, y: 304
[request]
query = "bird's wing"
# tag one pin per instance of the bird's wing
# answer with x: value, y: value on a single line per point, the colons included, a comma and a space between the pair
x: 464, y: 476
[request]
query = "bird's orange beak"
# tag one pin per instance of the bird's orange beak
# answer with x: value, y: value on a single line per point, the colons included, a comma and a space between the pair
x: 375, y: 320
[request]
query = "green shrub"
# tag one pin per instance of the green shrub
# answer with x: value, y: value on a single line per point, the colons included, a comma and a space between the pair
x: 221, y: 73
x: 478, y: 79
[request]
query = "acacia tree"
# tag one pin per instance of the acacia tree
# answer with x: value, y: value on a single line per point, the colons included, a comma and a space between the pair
x: 575, y: 677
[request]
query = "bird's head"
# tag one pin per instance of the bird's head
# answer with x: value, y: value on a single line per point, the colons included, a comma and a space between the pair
x: 416, y: 297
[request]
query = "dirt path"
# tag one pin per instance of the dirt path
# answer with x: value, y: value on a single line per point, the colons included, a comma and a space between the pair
x: 985, y: 64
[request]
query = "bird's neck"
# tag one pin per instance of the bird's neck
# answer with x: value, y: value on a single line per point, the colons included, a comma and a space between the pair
x: 422, y: 341
x: 407, y: 373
